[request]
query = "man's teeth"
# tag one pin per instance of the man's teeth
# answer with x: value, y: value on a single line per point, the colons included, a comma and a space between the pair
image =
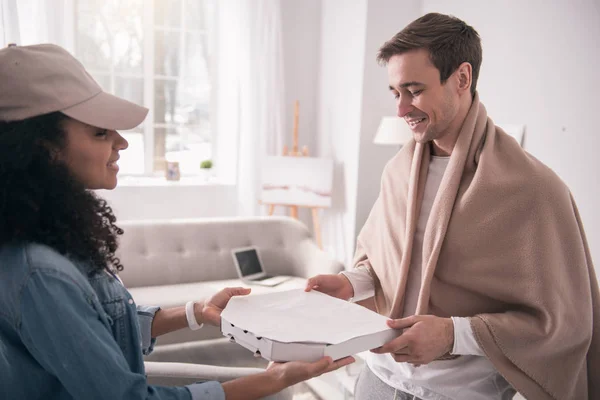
x: 416, y: 121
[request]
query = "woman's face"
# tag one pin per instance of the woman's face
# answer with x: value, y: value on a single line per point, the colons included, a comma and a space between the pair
x: 92, y: 153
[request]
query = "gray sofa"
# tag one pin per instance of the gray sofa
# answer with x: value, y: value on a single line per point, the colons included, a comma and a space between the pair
x: 168, y: 263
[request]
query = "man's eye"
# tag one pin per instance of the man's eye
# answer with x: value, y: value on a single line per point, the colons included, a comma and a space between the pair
x: 101, y: 133
x: 416, y: 92
x: 396, y: 95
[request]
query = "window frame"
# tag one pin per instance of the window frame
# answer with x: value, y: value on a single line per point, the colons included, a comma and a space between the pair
x: 149, y: 76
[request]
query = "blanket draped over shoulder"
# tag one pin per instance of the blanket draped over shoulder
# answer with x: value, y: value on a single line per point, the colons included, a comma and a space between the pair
x: 504, y: 245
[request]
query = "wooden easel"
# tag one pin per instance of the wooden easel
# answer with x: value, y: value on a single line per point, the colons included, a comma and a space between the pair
x: 295, y: 153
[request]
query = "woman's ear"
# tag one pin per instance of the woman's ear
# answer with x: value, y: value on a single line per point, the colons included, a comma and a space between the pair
x: 56, y: 147
x: 52, y: 148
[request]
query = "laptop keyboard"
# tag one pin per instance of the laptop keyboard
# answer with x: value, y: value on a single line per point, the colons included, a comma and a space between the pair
x: 263, y: 278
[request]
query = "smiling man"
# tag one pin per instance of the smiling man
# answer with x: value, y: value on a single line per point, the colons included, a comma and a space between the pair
x: 433, y: 106
x: 474, y: 248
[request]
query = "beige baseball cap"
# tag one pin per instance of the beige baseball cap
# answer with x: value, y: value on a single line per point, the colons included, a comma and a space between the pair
x: 44, y: 78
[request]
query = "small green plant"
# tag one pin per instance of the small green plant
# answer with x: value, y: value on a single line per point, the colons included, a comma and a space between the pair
x: 206, y: 164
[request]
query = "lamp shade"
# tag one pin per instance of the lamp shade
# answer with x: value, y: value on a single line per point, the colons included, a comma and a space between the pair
x: 393, y: 130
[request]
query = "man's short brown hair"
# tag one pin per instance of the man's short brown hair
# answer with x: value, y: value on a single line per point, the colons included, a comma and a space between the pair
x: 449, y: 40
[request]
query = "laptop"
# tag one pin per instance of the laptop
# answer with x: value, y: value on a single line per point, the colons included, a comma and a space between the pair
x: 250, y: 269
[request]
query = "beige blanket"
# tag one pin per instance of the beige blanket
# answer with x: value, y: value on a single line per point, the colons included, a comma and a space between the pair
x: 504, y: 245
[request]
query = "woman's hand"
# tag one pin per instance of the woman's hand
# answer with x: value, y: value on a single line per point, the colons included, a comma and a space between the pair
x: 210, y: 311
x: 279, y: 376
x: 292, y: 372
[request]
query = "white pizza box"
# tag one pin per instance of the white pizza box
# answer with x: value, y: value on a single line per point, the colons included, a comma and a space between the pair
x: 295, y: 325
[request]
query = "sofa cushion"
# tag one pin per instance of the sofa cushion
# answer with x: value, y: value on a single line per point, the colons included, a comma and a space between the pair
x: 181, y: 251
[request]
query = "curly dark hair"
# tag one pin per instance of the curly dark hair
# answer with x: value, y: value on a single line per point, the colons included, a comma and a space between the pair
x: 42, y: 202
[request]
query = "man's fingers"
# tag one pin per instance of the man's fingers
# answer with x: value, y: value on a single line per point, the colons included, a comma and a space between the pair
x: 403, y: 323
x: 393, y: 346
x: 407, y: 358
x: 386, y: 348
x: 402, y: 357
x: 312, y: 283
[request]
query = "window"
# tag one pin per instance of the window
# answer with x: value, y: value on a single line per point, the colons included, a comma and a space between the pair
x: 156, y: 53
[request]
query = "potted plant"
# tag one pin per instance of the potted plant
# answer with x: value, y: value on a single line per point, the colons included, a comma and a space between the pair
x: 205, y: 169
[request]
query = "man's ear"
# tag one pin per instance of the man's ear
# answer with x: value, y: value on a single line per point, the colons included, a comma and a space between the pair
x: 464, y: 74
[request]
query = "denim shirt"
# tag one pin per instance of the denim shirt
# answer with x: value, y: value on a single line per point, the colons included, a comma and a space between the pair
x: 64, y: 335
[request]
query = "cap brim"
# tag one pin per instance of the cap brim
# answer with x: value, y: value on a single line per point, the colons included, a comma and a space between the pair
x: 108, y: 112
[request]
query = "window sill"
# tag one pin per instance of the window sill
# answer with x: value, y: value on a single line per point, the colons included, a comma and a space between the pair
x: 151, y: 181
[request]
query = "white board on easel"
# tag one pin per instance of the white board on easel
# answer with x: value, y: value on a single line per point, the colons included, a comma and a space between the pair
x: 298, y: 181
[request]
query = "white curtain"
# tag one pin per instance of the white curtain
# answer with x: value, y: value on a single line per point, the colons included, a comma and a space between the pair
x: 9, y: 23
x: 26, y: 22
x: 250, y: 93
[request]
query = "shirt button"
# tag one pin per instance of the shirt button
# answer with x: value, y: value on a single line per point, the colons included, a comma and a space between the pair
x: 130, y: 301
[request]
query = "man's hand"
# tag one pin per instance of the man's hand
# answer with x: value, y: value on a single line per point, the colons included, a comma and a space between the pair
x: 425, y: 339
x: 211, y: 310
x: 335, y: 285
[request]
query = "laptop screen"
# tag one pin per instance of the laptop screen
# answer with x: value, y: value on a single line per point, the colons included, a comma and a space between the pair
x: 248, y: 262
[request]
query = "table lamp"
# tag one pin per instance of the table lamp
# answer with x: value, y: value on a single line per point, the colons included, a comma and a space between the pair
x: 392, y: 130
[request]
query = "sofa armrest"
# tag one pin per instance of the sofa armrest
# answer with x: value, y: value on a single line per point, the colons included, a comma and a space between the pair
x: 181, y: 374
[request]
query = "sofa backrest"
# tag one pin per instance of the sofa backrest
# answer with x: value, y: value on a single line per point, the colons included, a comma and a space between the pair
x: 162, y: 252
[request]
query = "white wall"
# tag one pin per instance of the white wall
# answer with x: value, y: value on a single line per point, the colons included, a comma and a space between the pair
x: 540, y: 68
x: 354, y: 96
x: 167, y: 201
x: 301, y: 42
x: 301, y: 31
x: 385, y: 18
x: 343, y: 27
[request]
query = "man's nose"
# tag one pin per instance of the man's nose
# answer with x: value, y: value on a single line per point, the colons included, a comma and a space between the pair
x: 403, y: 106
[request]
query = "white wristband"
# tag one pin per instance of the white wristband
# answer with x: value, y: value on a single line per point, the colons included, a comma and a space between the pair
x: 191, y: 317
